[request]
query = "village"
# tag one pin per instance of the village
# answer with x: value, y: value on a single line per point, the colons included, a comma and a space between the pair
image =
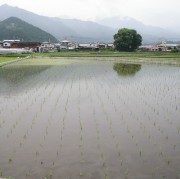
x: 17, y: 46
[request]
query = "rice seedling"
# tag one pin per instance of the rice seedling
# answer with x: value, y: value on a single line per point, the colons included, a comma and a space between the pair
x: 178, y: 129
x: 10, y: 159
x: 1, y: 172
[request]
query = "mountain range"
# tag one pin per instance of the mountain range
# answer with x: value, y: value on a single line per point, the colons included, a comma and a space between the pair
x: 88, y: 31
x: 14, y: 28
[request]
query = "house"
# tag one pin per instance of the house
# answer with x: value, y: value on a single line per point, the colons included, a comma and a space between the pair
x: 64, y: 45
x: 158, y: 48
x: 87, y: 47
x: 17, y: 44
x: 46, y: 47
x: 152, y: 48
x: 102, y: 45
x: 67, y: 45
x: 169, y: 46
x: 57, y: 47
x: 105, y: 45
x: 110, y: 46
x: 7, y: 43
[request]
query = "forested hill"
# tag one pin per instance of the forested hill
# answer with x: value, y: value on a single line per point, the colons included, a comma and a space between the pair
x: 14, y: 28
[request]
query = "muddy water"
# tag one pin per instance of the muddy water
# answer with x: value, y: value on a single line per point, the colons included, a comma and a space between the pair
x: 89, y: 119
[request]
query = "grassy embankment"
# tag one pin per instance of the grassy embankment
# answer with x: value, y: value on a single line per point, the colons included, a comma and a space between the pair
x: 10, y: 57
x: 120, y: 55
x: 6, y: 59
x: 147, y: 56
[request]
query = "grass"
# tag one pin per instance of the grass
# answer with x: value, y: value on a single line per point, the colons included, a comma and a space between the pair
x: 145, y: 56
x: 111, y: 54
x: 11, y: 57
x: 6, y: 59
x: 14, y: 55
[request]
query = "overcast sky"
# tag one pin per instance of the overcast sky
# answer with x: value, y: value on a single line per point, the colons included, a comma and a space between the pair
x: 153, y: 12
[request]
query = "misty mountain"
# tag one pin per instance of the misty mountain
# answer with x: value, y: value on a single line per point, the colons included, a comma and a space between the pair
x: 90, y: 29
x: 87, y: 31
x: 149, y: 33
x: 14, y: 28
x: 60, y: 28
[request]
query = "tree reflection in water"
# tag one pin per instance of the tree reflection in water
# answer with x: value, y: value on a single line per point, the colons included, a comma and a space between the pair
x: 126, y: 69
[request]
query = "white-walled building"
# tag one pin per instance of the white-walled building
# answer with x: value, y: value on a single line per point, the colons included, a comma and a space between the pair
x: 67, y: 45
x: 7, y: 43
x: 46, y: 47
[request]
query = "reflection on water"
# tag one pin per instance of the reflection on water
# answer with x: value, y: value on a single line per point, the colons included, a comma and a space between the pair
x: 14, y: 79
x: 126, y: 69
x: 16, y: 74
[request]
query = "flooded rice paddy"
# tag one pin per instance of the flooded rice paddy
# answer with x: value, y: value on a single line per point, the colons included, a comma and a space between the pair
x: 72, y: 119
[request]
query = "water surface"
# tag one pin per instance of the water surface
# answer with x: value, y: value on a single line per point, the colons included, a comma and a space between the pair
x: 89, y: 119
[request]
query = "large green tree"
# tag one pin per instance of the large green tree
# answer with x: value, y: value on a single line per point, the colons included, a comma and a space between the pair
x: 127, y: 40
